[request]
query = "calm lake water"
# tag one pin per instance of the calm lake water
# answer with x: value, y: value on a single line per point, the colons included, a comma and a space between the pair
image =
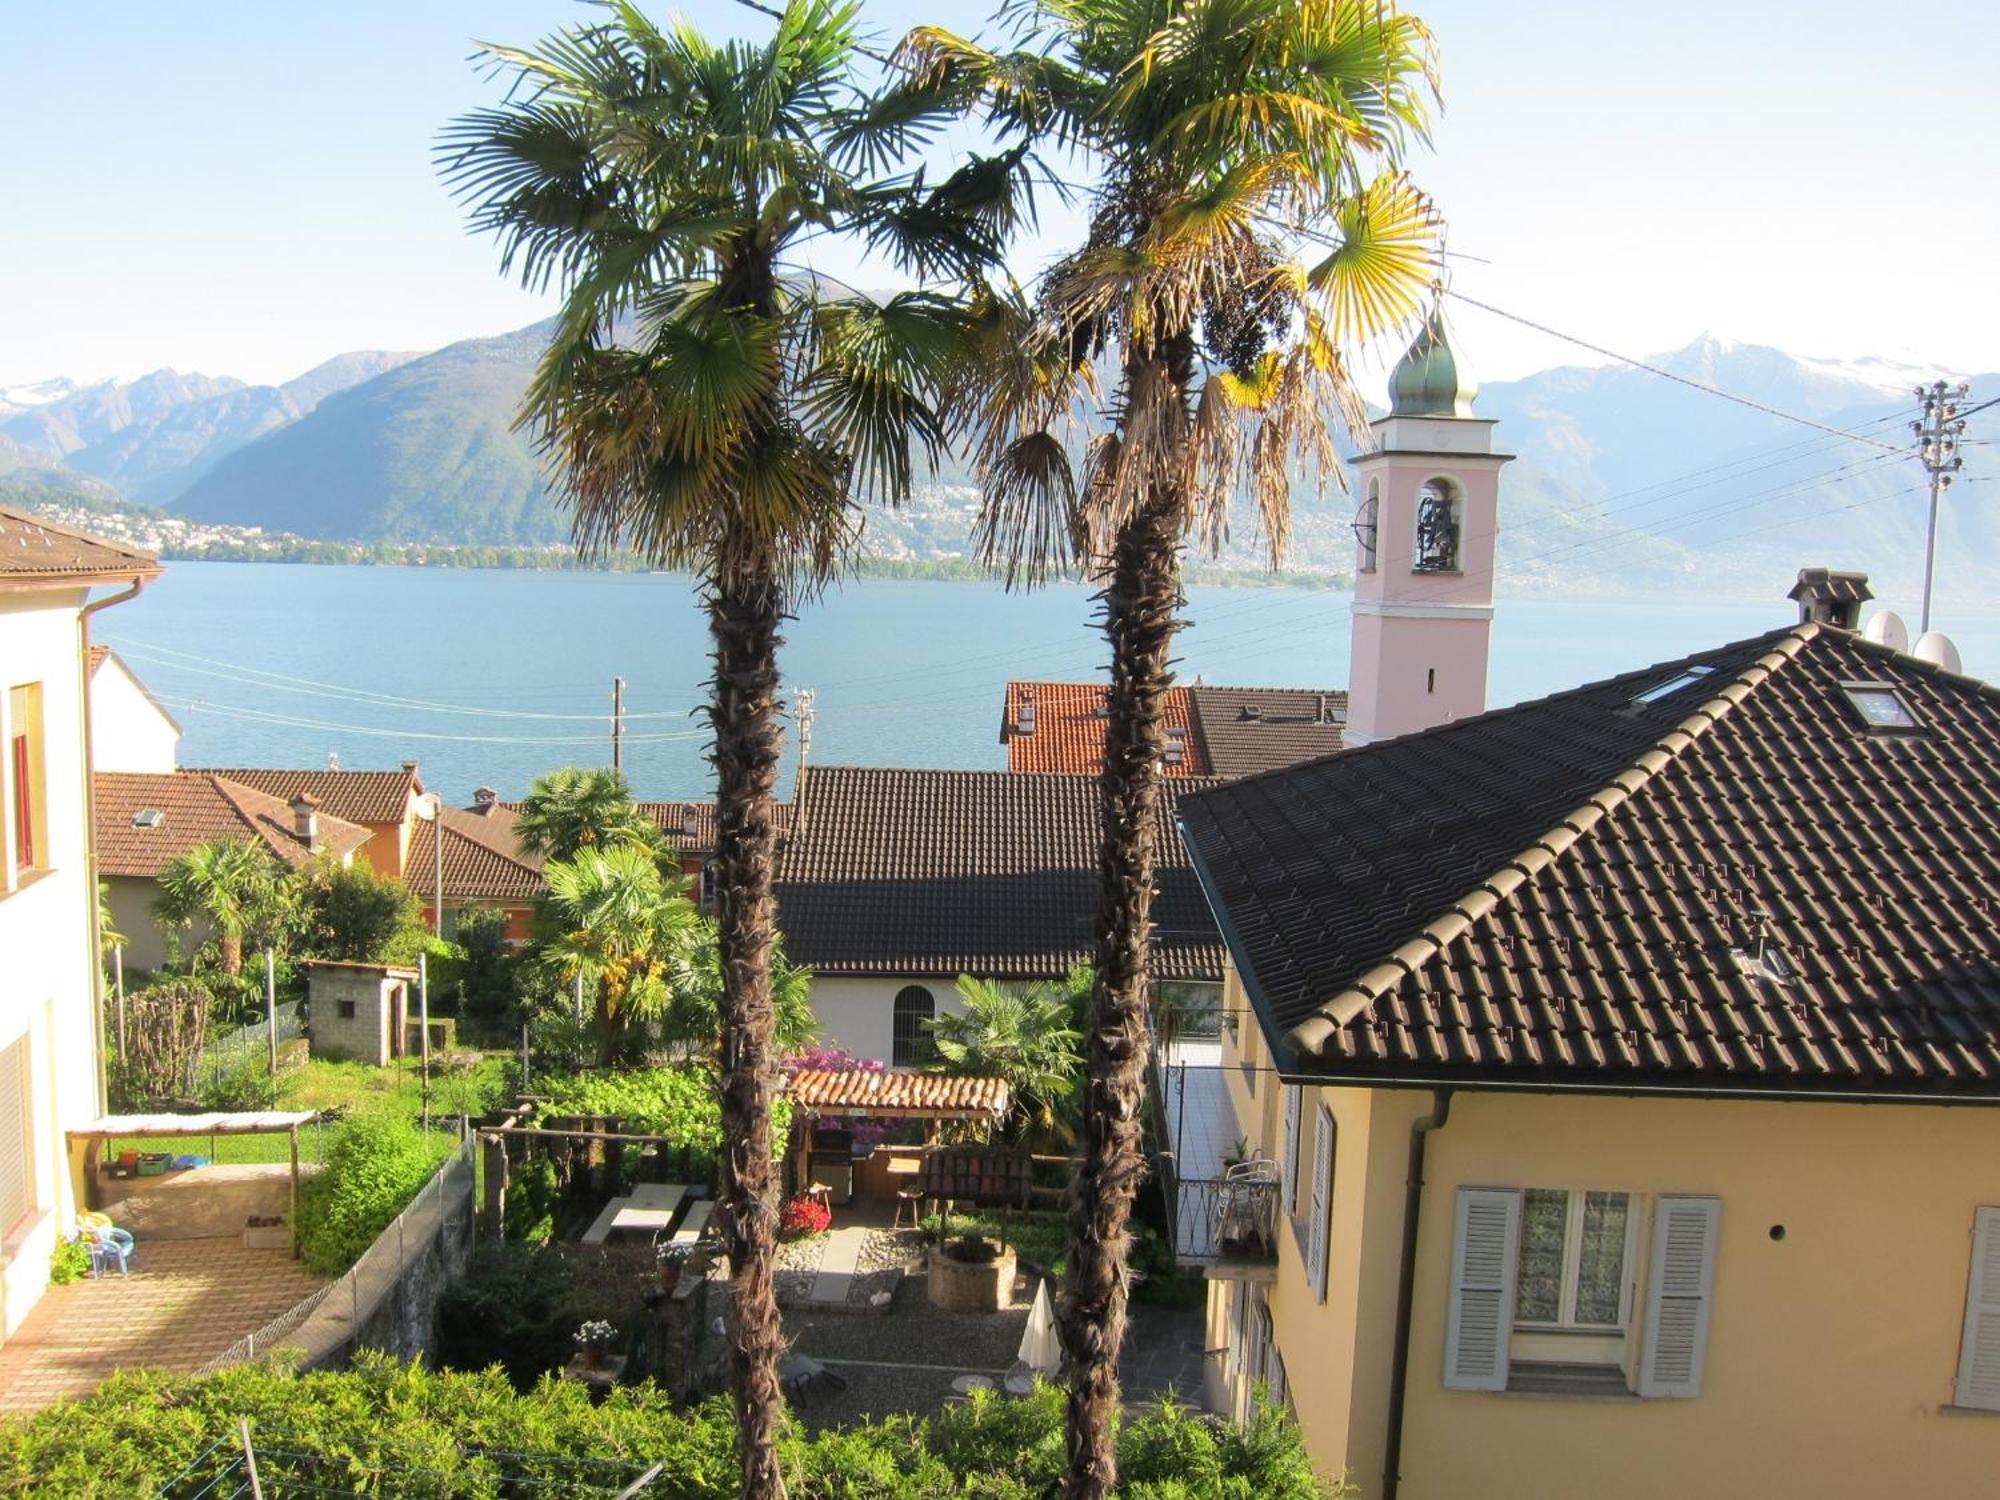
x: 488, y: 677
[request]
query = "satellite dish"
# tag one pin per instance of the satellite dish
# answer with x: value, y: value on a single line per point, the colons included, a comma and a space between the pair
x: 1886, y: 628
x: 1935, y: 646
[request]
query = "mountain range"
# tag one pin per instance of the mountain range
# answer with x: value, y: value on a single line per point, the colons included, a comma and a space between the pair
x: 1624, y: 480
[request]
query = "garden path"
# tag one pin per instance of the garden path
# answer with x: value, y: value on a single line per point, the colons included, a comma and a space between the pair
x: 839, y: 1263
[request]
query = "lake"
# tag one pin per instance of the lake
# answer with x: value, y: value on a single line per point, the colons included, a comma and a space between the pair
x: 488, y: 677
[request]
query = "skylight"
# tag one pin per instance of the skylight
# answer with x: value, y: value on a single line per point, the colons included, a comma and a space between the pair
x: 1880, y: 706
x: 1674, y: 684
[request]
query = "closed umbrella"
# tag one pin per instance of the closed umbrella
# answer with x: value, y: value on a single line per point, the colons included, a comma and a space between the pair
x: 1040, y: 1351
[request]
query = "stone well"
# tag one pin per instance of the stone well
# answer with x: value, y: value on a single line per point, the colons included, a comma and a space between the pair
x: 970, y: 1286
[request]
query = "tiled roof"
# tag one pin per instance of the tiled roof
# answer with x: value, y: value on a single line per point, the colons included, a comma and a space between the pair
x: 476, y: 866
x: 195, y: 807
x: 1247, y: 730
x: 358, y: 796
x: 1566, y: 891
x: 34, y: 549
x: 1068, y: 736
x: 984, y: 872
x: 858, y: 1092
x: 1226, y: 731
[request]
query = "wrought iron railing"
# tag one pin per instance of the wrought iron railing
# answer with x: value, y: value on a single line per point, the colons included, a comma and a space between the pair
x: 1225, y: 1218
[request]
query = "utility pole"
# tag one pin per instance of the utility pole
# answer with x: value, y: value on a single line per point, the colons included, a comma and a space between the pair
x: 1938, y: 432
x: 617, y: 723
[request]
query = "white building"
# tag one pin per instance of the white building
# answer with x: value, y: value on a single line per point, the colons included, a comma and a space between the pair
x: 129, y: 731
x: 50, y: 1067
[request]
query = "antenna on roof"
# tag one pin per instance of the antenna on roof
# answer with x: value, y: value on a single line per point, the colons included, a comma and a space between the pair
x: 802, y: 708
x: 333, y: 760
x: 1765, y: 959
x: 1886, y: 628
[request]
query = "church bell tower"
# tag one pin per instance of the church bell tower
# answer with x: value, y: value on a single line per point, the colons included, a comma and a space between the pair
x: 1424, y: 534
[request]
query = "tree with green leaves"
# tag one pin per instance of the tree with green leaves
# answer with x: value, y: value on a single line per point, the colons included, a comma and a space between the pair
x: 351, y: 912
x: 232, y: 886
x: 613, y: 921
x: 693, y: 1019
x: 709, y: 401
x: 574, y: 809
x: 1025, y: 1034
x: 1250, y: 225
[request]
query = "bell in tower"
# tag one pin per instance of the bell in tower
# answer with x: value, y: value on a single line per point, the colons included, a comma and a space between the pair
x: 1424, y: 538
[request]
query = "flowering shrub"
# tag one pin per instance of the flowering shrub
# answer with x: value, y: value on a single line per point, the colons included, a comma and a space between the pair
x: 833, y: 1060
x: 805, y: 1215
x: 596, y: 1334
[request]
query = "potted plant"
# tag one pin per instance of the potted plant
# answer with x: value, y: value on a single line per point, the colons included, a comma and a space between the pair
x: 593, y: 1341
x: 1238, y: 1153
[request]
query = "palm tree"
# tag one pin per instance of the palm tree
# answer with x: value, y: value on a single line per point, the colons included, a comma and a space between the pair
x: 1026, y: 1035
x: 231, y: 884
x: 708, y: 401
x: 573, y: 809
x: 615, y: 922
x: 1250, y: 223
x: 694, y: 1010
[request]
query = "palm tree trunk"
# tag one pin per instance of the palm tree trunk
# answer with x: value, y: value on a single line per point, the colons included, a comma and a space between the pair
x: 743, y: 618
x: 231, y: 953
x: 1139, y: 617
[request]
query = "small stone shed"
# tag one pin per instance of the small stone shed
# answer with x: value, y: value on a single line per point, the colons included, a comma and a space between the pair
x: 359, y: 1012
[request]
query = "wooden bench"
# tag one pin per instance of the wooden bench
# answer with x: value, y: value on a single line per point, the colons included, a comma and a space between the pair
x: 649, y: 1207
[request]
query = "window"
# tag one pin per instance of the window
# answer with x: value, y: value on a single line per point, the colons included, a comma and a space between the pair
x: 1294, y: 1099
x: 346, y: 1008
x: 1543, y: 1289
x: 1572, y: 1266
x: 17, y: 1182
x: 1319, y: 1226
x: 1979, y: 1350
x: 911, y: 1042
x: 27, y: 799
x: 1674, y: 684
x: 1367, y: 521
x: 711, y: 884
x: 1880, y: 706
x: 1439, y: 523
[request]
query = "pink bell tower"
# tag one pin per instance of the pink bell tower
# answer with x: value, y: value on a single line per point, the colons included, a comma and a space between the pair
x: 1424, y: 533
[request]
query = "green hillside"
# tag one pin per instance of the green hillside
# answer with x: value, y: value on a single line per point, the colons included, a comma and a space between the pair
x: 422, y: 453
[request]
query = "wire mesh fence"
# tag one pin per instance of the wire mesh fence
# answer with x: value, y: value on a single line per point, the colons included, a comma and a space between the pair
x: 334, y: 1320
x: 287, y: 1468
x: 244, y: 1051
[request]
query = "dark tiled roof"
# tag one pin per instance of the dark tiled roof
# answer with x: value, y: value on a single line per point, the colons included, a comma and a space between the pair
x: 195, y: 807
x: 477, y: 865
x: 1558, y: 892
x: 1247, y: 730
x: 984, y: 872
x: 1069, y: 729
x: 34, y: 548
x: 358, y: 796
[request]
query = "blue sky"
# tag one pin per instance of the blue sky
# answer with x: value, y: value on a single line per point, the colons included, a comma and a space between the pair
x: 246, y: 189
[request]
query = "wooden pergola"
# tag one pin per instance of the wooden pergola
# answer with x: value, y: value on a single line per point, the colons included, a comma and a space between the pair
x: 231, y: 1122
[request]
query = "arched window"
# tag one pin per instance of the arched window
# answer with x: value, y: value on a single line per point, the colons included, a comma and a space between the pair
x: 910, y: 1040
x: 1440, y: 518
x: 1365, y: 521
x: 711, y: 884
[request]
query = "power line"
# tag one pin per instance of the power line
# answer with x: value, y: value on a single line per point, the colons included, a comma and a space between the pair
x: 265, y: 716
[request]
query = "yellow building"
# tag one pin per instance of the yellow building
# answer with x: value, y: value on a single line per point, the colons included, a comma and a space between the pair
x: 1617, y: 1072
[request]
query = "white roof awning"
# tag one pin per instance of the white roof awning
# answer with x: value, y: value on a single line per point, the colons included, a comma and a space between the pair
x: 235, y: 1122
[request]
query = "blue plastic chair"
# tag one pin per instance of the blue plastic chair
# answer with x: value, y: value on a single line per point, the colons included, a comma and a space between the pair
x: 109, y: 1247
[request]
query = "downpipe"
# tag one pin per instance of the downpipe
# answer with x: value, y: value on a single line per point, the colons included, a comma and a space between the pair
x: 1406, y: 1284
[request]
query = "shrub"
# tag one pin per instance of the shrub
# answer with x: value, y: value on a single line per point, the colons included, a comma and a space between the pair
x: 71, y: 1262
x: 165, y: 1027
x: 679, y: 1103
x: 353, y: 913
x: 806, y: 1216
x: 374, y: 1167
x: 362, y: 1427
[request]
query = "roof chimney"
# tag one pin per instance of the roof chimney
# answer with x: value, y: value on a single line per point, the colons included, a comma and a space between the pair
x: 1829, y: 597
x: 485, y: 798
x: 305, y: 819
x: 1024, y: 715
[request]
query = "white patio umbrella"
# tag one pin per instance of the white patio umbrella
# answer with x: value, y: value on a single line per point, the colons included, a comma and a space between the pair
x: 1040, y: 1351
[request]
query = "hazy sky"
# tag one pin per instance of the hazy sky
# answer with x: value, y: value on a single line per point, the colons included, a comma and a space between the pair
x: 247, y: 188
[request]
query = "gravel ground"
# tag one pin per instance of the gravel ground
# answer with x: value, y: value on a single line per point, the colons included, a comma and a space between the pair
x: 798, y: 1263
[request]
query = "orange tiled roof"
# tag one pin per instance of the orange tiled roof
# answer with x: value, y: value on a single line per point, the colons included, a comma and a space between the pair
x: 859, y: 1093
x: 196, y: 807
x: 1068, y: 735
x: 32, y: 548
x: 357, y: 796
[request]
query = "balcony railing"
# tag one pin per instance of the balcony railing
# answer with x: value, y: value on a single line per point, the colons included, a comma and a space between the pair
x: 1226, y: 1221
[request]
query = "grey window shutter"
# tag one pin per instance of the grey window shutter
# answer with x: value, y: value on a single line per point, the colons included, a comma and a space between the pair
x: 1293, y: 1097
x: 1979, y: 1350
x: 1485, y: 1246
x: 1322, y: 1204
x: 1679, y: 1295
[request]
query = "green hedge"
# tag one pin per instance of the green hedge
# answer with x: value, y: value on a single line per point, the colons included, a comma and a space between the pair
x: 386, y: 1429
x: 375, y: 1165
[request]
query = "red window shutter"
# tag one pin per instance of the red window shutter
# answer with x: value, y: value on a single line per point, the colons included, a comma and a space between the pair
x: 24, y: 808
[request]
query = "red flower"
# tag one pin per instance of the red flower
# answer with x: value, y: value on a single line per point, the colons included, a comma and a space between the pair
x: 805, y: 1215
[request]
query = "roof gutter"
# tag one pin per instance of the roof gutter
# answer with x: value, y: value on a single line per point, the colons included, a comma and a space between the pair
x: 1406, y: 1289
x: 90, y: 830
x: 1632, y: 1090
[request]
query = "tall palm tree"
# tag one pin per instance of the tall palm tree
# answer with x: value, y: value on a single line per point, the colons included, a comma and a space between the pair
x: 573, y: 808
x: 613, y: 920
x: 231, y: 884
x: 710, y: 402
x: 1250, y: 223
